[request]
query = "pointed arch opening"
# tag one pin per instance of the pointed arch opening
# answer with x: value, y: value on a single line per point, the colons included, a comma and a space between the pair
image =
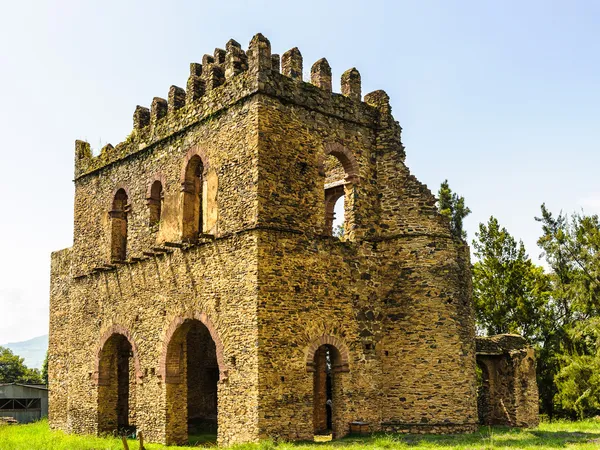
x: 193, y: 201
x: 118, y: 371
x: 192, y: 373
x: 118, y: 216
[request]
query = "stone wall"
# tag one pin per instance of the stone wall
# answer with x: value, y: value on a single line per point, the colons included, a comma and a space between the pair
x: 247, y: 153
x: 508, y: 393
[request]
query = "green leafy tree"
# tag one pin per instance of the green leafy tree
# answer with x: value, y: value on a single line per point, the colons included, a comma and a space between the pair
x: 513, y: 295
x: 13, y: 370
x: 510, y: 293
x: 45, y: 369
x: 338, y: 231
x: 453, y: 207
x: 578, y: 377
x: 571, y: 247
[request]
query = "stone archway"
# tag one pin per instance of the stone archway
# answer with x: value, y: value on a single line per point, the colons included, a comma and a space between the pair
x: 192, y: 366
x: 117, y: 373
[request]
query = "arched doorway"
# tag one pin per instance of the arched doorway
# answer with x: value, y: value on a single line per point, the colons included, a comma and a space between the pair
x: 327, y: 392
x: 191, y: 376
x: 116, y: 386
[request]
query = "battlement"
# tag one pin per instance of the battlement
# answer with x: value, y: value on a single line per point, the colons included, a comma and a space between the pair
x: 230, y: 76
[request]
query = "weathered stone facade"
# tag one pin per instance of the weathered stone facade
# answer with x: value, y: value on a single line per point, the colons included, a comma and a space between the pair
x: 203, y: 251
x: 508, y: 392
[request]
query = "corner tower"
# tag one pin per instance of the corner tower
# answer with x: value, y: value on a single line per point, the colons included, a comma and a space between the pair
x: 205, y: 290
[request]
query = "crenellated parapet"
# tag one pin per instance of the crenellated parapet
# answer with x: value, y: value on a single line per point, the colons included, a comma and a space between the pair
x: 231, y: 75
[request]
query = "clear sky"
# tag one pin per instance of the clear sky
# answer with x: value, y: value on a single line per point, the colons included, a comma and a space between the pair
x: 502, y: 98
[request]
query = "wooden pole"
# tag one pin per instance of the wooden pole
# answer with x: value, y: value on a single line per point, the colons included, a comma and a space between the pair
x: 125, y: 446
x: 141, y: 441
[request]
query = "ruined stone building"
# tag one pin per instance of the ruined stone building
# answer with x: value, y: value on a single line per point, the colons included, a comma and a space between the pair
x: 507, y: 392
x: 205, y: 289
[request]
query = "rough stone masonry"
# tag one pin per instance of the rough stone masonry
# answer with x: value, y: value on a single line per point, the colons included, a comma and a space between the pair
x: 205, y: 290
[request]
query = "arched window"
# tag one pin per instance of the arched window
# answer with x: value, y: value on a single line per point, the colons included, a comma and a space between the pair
x: 118, y: 215
x: 155, y: 202
x: 335, y: 179
x: 192, y: 189
x: 340, y: 173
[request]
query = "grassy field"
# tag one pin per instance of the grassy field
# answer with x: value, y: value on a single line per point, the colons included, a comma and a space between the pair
x: 558, y: 435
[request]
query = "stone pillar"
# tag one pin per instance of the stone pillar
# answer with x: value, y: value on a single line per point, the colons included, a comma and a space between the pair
x: 176, y: 98
x: 235, y: 59
x: 320, y: 74
x: 159, y: 109
x: 141, y: 117
x: 351, y: 84
x: 291, y: 64
x: 195, y: 84
x: 259, y: 54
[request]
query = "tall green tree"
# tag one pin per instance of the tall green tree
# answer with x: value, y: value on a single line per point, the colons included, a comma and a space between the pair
x: 13, y: 370
x: 571, y: 247
x: 44, y: 373
x: 510, y: 293
x: 452, y: 206
x: 513, y: 295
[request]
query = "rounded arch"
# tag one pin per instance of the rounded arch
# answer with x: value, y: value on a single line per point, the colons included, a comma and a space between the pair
x: 117, y: 188
x: 169, y: 361
x: 334, y: 341
x: 160, y: 177
x: 195, y: 150
x: 110, y: 332
x: 346, y: 158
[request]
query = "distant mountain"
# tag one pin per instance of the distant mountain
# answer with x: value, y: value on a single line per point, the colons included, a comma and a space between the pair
x: 33, y: 350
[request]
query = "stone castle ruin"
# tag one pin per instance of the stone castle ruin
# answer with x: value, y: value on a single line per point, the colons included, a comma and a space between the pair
x: 205, y: 290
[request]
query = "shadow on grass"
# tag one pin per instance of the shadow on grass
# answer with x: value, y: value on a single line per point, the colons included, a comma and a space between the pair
x: 486, y: 437
x: 203, y: 440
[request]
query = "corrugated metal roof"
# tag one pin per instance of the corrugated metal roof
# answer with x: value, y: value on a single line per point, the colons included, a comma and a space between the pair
x: 32, y: 386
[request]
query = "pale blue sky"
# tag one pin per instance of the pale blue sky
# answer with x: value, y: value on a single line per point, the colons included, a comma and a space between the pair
x: 500, y: 97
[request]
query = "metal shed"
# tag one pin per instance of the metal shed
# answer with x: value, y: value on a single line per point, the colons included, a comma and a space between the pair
x: 24, y: 402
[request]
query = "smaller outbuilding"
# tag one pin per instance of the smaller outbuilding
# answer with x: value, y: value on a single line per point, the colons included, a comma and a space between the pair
x: 23, y: 402
x: 508, y: 391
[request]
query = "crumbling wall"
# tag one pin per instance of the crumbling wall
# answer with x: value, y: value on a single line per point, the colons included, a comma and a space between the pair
x: 508, y: 393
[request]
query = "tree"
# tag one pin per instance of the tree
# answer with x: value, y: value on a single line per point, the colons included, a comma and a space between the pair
x: 571, y: 247
x: 513, y: 295
x: 339, y: 231
x: 453, y: 207
x: 510, y: 293
x: 13, y: 370
x: 45, y: 369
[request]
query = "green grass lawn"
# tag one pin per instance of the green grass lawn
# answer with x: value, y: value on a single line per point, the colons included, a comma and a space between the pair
x: 557, y: 435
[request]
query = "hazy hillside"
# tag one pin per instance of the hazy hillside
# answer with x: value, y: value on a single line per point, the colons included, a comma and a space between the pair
x: 33, y: 350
